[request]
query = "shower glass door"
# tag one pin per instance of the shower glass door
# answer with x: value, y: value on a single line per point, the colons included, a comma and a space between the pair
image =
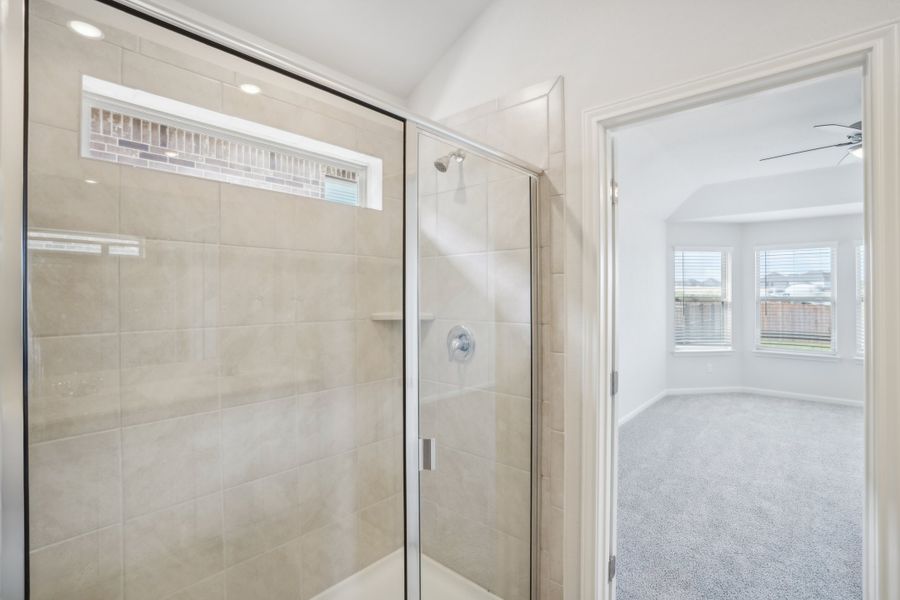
x: 475, y: 368
x: 214, y: 323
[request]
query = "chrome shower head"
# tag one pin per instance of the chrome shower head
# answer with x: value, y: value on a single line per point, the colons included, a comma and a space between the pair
x: 443, y: 162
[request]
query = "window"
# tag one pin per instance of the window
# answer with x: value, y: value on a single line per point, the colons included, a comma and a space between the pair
x: 140, y: 129
x: 796, y: 306
x: 702, y: 282
x: 860, y: 300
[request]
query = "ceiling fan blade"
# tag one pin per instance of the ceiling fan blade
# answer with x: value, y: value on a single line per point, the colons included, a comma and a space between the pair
x: 842, y: 144
x: 840, y: 128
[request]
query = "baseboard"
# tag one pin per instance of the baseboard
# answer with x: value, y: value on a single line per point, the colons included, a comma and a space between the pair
x: 625, y: 418
x: 762, y: 392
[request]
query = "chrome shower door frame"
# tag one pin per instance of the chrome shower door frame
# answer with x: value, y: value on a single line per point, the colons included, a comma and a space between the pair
x: 411, y: 326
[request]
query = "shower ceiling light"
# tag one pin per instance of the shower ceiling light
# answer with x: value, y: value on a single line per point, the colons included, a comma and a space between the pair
x: 249, y: 88
x: 86, y: 29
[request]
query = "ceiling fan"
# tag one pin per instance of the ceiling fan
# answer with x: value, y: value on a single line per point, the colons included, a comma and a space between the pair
x: 853, y: 144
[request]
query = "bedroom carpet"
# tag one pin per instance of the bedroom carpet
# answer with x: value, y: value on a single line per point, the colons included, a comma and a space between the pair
x: 740, y: 497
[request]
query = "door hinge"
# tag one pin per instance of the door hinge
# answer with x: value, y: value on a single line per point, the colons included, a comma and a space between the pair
x: 614, y: 191
x: 613, y: 383
x: 611, y: 568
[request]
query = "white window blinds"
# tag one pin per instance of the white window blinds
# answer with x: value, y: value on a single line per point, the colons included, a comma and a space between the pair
x: 702, y: 299
x: 860, y: 300
x: 796, y: 311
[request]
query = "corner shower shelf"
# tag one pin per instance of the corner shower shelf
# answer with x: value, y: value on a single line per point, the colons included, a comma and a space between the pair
x: 398, y: 316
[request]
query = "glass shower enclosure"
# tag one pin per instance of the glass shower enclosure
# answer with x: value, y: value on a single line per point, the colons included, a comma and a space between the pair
x: 279, y: 341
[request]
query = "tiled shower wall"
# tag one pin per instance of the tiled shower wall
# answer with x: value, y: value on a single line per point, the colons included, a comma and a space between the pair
x: 219, y: 415
x: 475, y: 264
x: 529, y: 124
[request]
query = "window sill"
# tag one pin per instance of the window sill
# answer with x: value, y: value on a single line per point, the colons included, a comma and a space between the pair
x: 701, y: 351
x: 825, y: 357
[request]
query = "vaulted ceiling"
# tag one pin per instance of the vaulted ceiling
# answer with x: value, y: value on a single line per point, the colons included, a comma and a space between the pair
x: 703, y: 163
x: 387, y: 44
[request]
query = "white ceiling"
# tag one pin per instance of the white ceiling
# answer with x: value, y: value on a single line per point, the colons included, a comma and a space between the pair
x: 687, y: 165
x: 388, y: 44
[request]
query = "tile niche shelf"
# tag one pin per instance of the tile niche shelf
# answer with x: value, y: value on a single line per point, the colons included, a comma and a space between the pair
x: 398, y: 316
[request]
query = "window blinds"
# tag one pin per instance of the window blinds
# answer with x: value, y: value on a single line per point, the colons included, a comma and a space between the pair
x: 702, y: 298
x: 795, y: 299
x: 860, y: 300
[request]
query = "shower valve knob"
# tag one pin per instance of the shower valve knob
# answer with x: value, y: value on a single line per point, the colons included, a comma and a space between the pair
x: 460, y: 344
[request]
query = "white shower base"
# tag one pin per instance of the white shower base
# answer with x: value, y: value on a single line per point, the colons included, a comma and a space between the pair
x: 384, y: 580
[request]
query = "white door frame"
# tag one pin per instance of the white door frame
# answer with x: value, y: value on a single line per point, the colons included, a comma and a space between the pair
x: 876, y: 50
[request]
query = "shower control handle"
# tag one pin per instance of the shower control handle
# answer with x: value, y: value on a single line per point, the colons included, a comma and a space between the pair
x: 427, y: 454
x: 460, y: 344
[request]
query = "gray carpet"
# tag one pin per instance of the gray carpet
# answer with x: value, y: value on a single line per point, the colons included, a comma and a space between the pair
x: 740, y: 497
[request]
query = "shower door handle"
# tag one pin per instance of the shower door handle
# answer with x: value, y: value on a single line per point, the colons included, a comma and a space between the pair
x: 427, y: 454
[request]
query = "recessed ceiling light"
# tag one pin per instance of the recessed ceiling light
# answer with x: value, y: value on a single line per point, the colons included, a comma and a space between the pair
x: 249, y: 88
x: 86, y: 29
x: 90, y: 181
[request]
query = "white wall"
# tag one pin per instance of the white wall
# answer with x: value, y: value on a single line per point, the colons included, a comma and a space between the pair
x: 641, y: 312
x: 841, y: 377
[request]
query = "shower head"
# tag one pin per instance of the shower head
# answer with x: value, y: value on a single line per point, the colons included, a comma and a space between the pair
x: 443, y: 162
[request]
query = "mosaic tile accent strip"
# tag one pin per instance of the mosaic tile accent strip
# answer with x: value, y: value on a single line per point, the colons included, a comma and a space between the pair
x: 121, y: 138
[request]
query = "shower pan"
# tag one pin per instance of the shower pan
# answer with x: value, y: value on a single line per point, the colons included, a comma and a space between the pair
x: 252, y: 297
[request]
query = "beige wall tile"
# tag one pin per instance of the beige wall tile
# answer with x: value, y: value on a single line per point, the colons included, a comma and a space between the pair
x: 328, y: 555
x: 514, y: 431
x: 168, y: 374
x: 73, y: 293
x: 257, y: 285
x: 261, y: 515
x: 509, y: 213
x: 513, y: 568
x: 379, y: 350
x: 327, y: 423
x: 462, y: 221
x: 513, y: 367
x: 464, y: 484
x: 212, y: 588
x: 325, y: 355
x: 185, y: 60
x: 379, y: 286
x: 274, y: 575
x: 157, y: 77
x: 380, y: 474
x: 380, y: 232
x: 514, y: 502
x: 170, y: 461
x: 260, y: 218
x: 74, y: 487
x: 466, y: 546
x: 468, y: 421
x: 170, y: 207
x: 505, y: 131
x: 328, y: 492
x: 174, y: 285
x: 257, y: 363
x: 325, y: 287
x: 259, y: 439
x: 88, y: 567
x: 509, y: 274
x: 323, y: 226
x: 456, y: 287
x: 73, y: 386
x: 173, y: 549
x: 379, y: 411
x: 59, y: 195
x: 58, y: 57
x: 381, y: 532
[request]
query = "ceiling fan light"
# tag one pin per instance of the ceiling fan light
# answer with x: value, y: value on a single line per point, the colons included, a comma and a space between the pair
x: 857, y: 152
